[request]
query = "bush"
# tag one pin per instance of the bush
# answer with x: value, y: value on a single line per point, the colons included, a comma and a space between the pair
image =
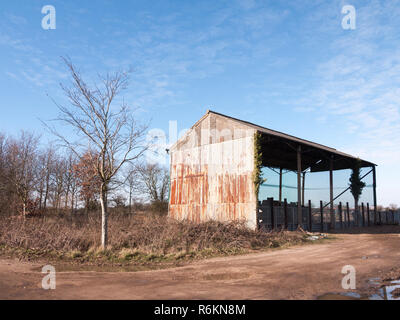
x: 129, y: 234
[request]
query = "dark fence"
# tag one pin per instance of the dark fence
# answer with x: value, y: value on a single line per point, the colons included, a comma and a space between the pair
x: 275, y: 215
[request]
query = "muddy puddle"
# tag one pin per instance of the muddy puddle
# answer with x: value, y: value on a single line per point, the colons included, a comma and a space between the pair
x: 387, y: 291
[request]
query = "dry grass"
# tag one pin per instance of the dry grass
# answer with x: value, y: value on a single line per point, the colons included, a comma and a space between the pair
x: 133, y: 236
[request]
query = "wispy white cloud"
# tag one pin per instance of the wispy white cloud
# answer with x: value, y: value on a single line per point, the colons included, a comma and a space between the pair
x: 359, y: 87
x: 16, y: 20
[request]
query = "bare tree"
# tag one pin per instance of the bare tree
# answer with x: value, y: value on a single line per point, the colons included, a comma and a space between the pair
x: 88, y: 180
x: 154, y: 180
x: 71, y: 183
x: 45, y: 171
x: 113, y: 134
x: 4, y: 186
x: 60, y: 168
x: 21, y: 162
x: 41, y: 172
x: 30, y: 177
x: 131, y: 182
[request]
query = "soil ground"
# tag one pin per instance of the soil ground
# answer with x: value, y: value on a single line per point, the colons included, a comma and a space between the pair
x: 300, y: 272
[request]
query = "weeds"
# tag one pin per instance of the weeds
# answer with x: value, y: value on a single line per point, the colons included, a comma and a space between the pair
x: 145, y: 238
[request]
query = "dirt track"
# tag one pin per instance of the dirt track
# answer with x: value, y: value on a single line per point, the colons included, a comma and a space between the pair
x: 302, y: 272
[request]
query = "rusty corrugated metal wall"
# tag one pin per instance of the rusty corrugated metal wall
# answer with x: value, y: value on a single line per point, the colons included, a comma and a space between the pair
x: 212, y: 172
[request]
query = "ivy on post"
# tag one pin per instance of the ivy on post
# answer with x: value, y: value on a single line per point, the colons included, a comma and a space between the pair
x: 257, y: 176
x: 356, y: 186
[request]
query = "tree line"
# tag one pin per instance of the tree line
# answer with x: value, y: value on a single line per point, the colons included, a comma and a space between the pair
x: 36, y: 179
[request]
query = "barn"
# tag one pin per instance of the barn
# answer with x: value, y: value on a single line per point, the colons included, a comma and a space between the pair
x: 215, y: 169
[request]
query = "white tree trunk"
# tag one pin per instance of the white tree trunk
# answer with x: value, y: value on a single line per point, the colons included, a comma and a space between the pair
x: 104, y: 218
x: 130, y: 201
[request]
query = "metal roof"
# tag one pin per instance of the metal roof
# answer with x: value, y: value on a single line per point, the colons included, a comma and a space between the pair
x: 320, y: 166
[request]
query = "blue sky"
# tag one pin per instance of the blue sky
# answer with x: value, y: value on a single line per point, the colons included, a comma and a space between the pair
x: 286, y: 65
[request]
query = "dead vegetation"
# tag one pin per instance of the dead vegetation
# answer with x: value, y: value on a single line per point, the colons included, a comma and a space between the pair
x: 134, y: 238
